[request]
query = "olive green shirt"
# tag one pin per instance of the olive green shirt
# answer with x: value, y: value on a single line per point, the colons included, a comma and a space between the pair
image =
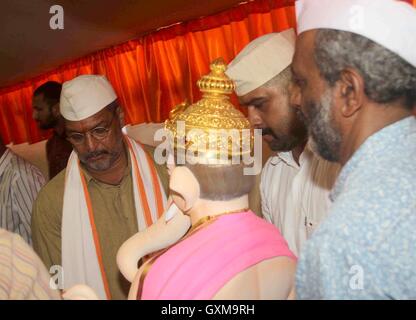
x: 114, y: 215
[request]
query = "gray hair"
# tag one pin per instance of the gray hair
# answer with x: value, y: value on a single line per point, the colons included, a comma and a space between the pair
x: 282, y: 80
x: 387, y: 76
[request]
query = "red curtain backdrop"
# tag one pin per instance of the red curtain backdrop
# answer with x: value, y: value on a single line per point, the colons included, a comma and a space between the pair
x: 156, y: 72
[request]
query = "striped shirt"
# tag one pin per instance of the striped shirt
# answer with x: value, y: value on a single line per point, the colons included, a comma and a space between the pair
x: 295, y: 197
x: 20, y: 183
x: 22, y: 274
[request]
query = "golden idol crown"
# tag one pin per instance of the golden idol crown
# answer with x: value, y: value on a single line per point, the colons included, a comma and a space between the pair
x: 208, y: 123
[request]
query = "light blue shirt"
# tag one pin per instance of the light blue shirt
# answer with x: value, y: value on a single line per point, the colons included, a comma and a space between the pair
x: 366, y: 248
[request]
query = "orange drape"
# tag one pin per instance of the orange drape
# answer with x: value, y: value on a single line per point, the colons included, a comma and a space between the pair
x: 155, y: 72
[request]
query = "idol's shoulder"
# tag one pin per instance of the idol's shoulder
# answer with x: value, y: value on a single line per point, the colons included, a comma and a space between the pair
x: 256, y: 223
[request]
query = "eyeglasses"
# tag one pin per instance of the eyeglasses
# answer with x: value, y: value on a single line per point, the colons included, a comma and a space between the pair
x: 98, y: 133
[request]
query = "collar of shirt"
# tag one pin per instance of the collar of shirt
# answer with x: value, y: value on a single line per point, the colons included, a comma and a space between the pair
x: 5, y: 160
x: 287, y: 158
x: 375, y: 146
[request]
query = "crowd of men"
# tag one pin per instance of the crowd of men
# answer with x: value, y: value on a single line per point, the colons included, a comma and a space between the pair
x: 336, y: 104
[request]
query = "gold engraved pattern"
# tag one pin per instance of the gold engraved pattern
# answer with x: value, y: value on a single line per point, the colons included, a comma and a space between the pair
x: 213, y: 127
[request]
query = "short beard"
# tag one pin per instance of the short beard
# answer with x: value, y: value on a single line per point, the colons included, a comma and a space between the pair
x: 283, y: 143
x: 325, y: 137
x: 287, y: 142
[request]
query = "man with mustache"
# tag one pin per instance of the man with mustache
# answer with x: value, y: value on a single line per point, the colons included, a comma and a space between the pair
x: 295, y: 183
x: 109, y: 191
x: 355, y: 67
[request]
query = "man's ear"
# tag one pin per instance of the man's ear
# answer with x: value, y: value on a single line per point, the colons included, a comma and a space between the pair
x: 351, y: 89
x: 184, y: 188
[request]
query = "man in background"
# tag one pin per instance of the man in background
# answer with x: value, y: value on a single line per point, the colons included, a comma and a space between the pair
x: 47, y: 116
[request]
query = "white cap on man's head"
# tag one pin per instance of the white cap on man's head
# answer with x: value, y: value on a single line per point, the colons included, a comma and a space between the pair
x: 390, y: 23
x: 261, y: 60
x: 84, y: 96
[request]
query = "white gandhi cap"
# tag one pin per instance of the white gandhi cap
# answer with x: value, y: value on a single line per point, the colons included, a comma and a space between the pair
x: 390, y: 23
x: 84, y: 96
x: 261, y: 60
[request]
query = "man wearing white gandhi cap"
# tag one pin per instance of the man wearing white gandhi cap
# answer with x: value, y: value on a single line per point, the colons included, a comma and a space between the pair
x: 109, y: 191
x: 295, y: 183
x: 355, y: 69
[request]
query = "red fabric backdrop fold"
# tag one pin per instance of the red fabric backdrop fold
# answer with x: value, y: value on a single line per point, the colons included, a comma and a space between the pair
x: 154, y: 73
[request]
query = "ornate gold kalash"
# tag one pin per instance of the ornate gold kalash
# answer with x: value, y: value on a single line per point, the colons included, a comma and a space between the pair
x: 210, y: 122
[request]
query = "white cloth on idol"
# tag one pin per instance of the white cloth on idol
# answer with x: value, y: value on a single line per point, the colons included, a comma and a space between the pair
x: 79, y: 258
x: 390, y: 23
x: 84, y: 96
x: 145, y: 133
x: 295, y: 198
x: 261, y: 60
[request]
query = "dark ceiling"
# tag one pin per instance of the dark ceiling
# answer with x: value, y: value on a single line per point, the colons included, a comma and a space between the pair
x: 29, y: 47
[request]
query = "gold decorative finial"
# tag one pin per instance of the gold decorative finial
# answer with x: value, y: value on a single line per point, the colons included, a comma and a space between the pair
x: 217, y: 81
x: 212, y: 127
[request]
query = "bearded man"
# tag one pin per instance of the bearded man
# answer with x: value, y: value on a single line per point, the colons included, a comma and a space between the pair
x: 295, y: 182
x: 356, y: 74
x: 109, y: 191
